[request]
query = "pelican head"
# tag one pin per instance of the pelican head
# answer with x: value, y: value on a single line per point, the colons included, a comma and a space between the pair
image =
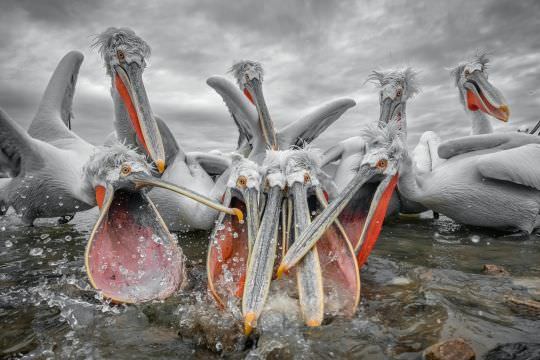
x: 249, y: 76
x: 476, y: 92
x: 125, y: 57
x: 396, y: 87
x: 361, y: 213
x: 232, y: 241
x: 131, y: 256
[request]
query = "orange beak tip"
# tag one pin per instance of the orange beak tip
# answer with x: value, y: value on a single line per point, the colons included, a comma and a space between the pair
x: 313, y: 323
x: 506, y: 112
x: 239, y: 214
x: 160, y: 164
x: 282, y: 268
x: 249, y: 321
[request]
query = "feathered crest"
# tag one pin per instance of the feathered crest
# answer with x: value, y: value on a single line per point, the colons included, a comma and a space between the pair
x: 105, y: 159
x: 480, y: 58
x: 112, y: 39
x: 239, y: 68
x: 309, y: 159
x: 386, y: 137
x: 406, y: 77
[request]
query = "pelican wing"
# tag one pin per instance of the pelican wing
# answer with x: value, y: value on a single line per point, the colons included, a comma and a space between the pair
x: 518, y: 165
x: 306, y: 129
x: 53, y: 119
x: 18, y: 150
x: 243, y: 113
x: 495, y: 141
x: 213, y: 164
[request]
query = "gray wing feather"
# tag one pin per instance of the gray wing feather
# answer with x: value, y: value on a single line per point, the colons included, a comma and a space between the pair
x: 498, y: 141
x: 518, y: 165
x: 213, y: 164
x: 53, y: 119
x: 18, y: 151
x: 306, y: 129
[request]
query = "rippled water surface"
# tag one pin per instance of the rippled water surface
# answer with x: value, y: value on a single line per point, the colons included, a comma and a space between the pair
x: 423, y: 283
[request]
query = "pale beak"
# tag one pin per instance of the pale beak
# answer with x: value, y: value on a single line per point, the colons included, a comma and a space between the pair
x: 308, y: 270
x: 482, y: 95
x: 390, y: 110
x: 261, y: 261
x: 254, y: 88
x: 129, y: 84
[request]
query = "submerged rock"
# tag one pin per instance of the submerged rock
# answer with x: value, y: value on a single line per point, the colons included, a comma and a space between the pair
x: 453, y: 349
x: 523, y: 307
x: 514, y: 351
x: 491, y: 269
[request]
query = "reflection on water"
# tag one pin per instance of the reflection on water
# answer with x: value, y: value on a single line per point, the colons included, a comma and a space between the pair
x: 423, y: 283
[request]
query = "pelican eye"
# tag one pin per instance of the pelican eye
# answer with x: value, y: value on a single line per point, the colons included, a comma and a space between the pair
x: 241, y: 182
x: 120, y: 54
x: 398, y: 92
x: 467, y: 73
x: 382, y: 164
x: 125, y: 169
x: 307, y: 178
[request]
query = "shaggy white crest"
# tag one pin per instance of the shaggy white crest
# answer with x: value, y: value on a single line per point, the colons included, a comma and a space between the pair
x: 273, y: 167
x: 105, y: 163
x: 252, y: 69
x: 477, y: 62
x: 301, y: 162
x: 244, y: 167
x: 387, y: 137
x: 405, y: 78
x: 113, y: 39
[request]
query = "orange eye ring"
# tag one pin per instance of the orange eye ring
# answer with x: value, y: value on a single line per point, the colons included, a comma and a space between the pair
x: 398, y: 93
x: 241, y: 182
x: 125, y: 169
x: 120, y: 54
x: 307, y: 178
x: 382, y: 164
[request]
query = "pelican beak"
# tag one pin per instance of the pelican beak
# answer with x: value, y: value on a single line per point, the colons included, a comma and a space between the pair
x: 129, y: 85
x: 131, y: 257
x: 230, y: 245
x: 261, y: 261
x: 254, y: 93
x: 308, y: 271
x: 390, y: 110
x: 309, y: 237
x: 482, y: 95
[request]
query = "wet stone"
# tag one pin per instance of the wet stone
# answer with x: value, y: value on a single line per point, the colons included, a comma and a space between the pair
x: 523, y: 307
x: 514, y: 351
x: 453, y: 349
x: 492, y: 269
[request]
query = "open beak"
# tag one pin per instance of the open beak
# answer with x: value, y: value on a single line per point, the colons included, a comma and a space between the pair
x: 308, y: 271
x: 254, y: 93
x: 309, y: 237
x: 131, y: 257
x: 261, y: 261
x: 129, y: 84
x: 390, y: 110
x: 230, y: 245
x: 483, y: 96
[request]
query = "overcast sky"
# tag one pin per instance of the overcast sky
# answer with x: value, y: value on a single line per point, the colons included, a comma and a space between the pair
x: 312, y: 52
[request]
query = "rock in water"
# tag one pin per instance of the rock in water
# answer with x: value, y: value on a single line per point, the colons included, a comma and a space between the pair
x: 491, y: 269
x: 453, y: 349
x: 514, y: 351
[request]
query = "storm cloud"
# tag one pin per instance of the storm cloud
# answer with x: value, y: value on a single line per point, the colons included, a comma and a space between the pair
x: 312, y: 51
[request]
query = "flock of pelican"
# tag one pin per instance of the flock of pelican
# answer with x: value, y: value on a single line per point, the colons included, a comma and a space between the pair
x: 279, y: 211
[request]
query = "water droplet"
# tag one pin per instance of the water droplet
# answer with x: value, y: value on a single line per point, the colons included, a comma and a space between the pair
x: 36, y: 251
x: 8, y: 244
x: 43, y: 236
x: 3, y: 228
x: 235, y: 235
x: 68, y: 238
x: 475, y: 239
x: 60, y: 204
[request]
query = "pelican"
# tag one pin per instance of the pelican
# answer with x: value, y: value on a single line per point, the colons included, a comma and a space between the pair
x: 125, y: 55
x: 249, y: 110
x: 478, y: 96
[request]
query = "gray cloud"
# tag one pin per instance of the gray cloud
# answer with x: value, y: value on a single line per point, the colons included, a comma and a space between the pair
x: 313, y: 51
